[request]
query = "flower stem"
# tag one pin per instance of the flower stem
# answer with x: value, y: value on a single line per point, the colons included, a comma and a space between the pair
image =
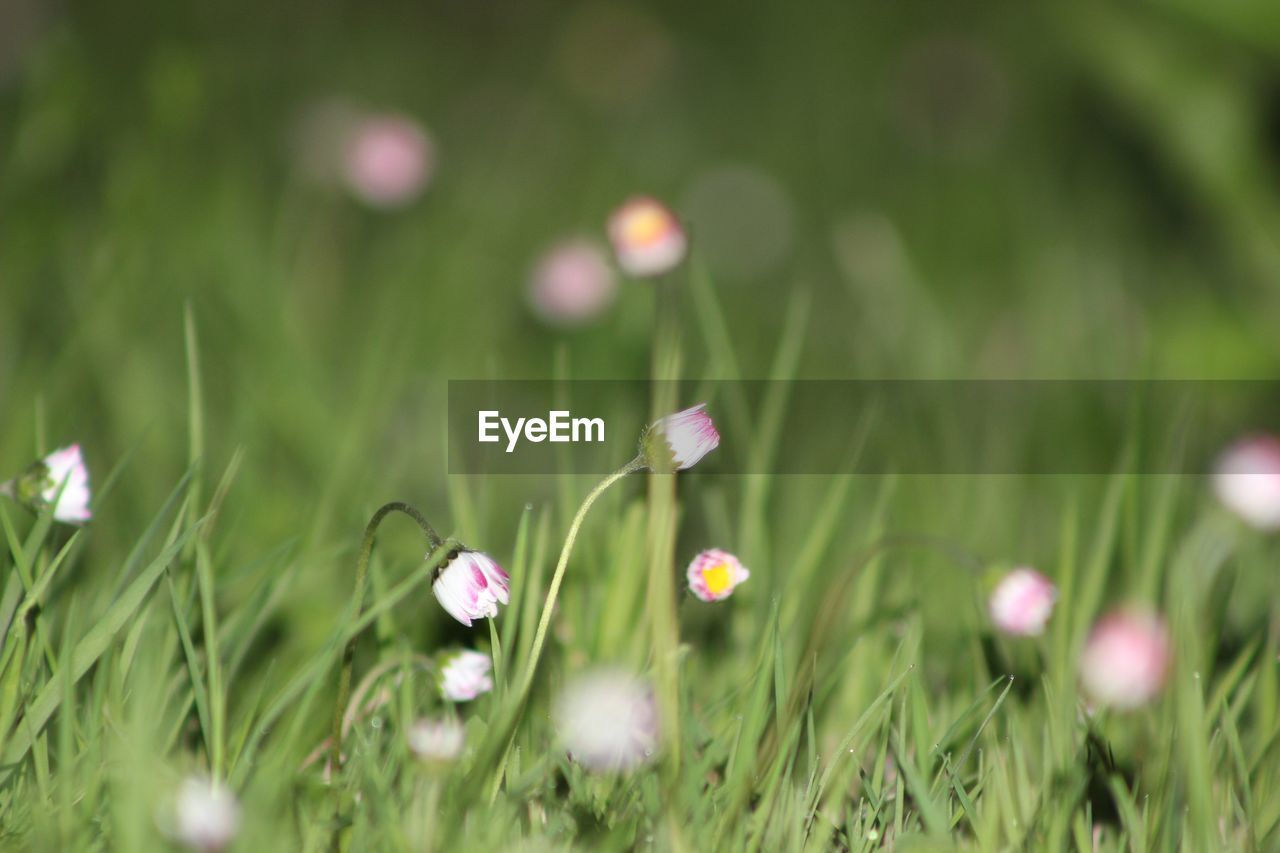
x: 357, y: 603
x: 553, y: 591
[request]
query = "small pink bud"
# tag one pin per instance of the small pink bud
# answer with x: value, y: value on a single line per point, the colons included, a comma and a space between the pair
x: 647, y: 238
x: 471, y: 586
x: 388, y: 160
x: 715, y: 574
x: 1022, y: 602
x: 572, y: 284
x: 676, y: 442
x: 1126, y: 659
x: 464, y: 675
x: 1247, y: 481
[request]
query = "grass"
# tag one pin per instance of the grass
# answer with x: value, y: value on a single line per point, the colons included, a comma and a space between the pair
x: 255, y: 365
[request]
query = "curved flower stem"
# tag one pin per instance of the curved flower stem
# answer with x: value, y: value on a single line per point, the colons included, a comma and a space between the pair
x: 540, y: 635
x: 357, y: 603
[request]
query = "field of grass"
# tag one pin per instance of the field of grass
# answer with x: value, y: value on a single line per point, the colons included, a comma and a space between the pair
x: 254, y: 362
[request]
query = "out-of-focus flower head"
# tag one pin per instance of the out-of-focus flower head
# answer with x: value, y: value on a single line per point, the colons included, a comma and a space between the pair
x: 608, y: 720
x: 464, y: 675
x: 203, y: 816
x: 471, y: 586
x: 1247, y: 480
x: 60, y: 479
x: 715, y: 574
x: 1126, y: 659
x: 572, y: 283
x: 676, y: 442
x: 1022, y: 602
x: 647, y: 238
x: 436, y: 740
x: 388, y: 159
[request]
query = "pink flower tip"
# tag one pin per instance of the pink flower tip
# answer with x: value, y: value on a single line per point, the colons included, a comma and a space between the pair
x: 715, y: 574
x: 1022, y: 602
x: 676, y: 442
x: 471, y: 586
x: 1126, y: 659
x: 1247, y: 481
x: 647, y: 238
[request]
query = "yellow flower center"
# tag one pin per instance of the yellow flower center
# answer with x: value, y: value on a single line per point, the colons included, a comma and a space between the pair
x: 646, y: 227
x: 718, y: 578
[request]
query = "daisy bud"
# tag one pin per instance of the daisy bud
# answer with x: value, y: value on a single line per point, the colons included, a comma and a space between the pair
x: 714, y: 574
x: 1247, y: 481
x: 205, y: 816
x: 678, y: 441
x: 42, y: 484
x: 1125, y: 659
x: 464, y: 675
x: 608, y: 721
x: 647, y: 238
x: 572, y: 284
x: 471, y: 586
x: 438, y: 740
x: 388, y: 160
x: 1022, y: 602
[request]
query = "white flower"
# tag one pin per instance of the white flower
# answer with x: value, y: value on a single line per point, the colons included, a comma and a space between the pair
x: 608, y: 720
x: 61, y: 479
x: 1022, y: 602
x: 714, y: 574
x: 1247, y: 481
x: 471, y: 586
x: 206, y: 816
x: 465, y: 675
x: 1126, y: 659
x: 676, y: 442
x: 436, y: 740
x: 647, y: 238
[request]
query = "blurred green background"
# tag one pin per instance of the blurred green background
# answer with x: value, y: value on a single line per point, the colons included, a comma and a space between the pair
x: 996, y: 191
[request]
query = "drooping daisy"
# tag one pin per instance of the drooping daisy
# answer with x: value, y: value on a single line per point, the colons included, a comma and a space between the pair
x: 464, y: 675
x: 1022, y: 602
x: 1126, y: 659
x: 715, y: 574
x: 676, y: 442
x: 471, y: 586
x: 608, y: 720
x: 647, y: 238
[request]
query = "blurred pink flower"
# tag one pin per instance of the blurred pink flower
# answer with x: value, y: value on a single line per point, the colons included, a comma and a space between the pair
x: 1022, y: 602
x: 715, y: 574
x: 464, y: 675
x: 647, y: 238
x: 608, y: 720
x: 572, y: 283
x: 676, y: 442
x: 1126, y: 659
x: 471, y: 586
x: 388, y: 160
x: 1247, y: 480
x: 61, y: 479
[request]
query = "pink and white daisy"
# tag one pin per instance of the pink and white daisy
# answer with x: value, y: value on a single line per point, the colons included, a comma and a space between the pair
x: 572, y: 284
x: 205, y: 816
x: 1247, y: 481
x: 61, y: 479
x: 465, y: 675
x: 437, y: 740
x: 676, y: 442
x: 715, y: 574
x: 608, y: 720
x: 471, y: 586
x: 647, y: 238
x: 1022, y: 602
x: 387, y: 160
x: 1126, y: 659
